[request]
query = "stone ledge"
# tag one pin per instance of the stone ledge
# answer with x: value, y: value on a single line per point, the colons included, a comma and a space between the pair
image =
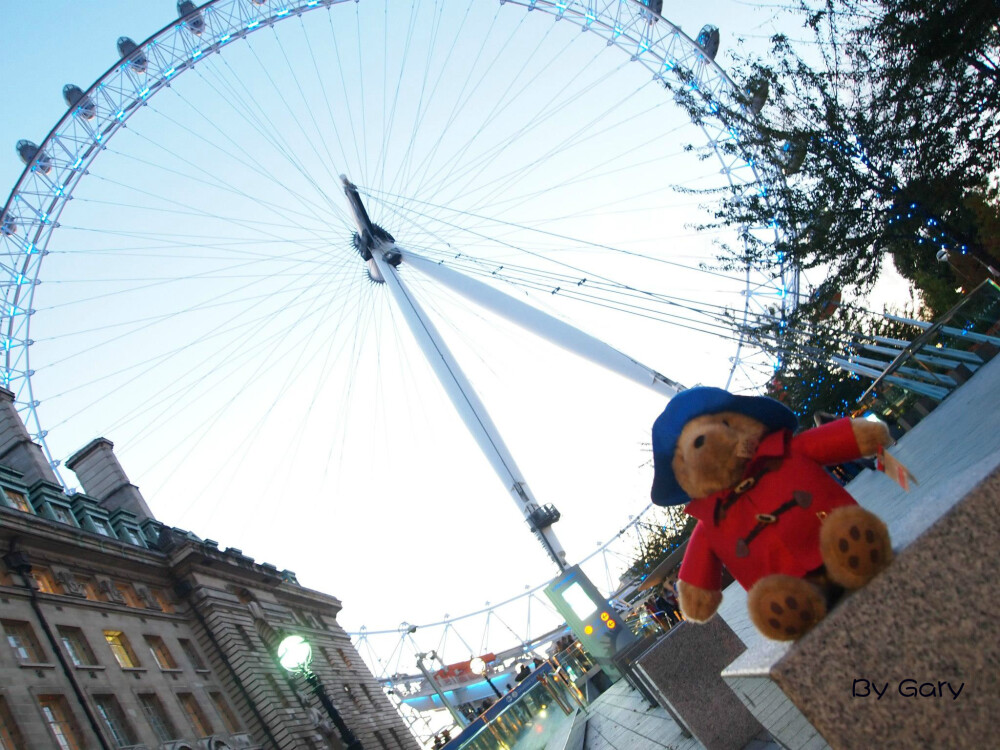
x: 929, y: 618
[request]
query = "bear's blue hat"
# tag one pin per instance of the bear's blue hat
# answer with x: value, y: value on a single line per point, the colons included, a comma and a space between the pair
x: 697, y: 402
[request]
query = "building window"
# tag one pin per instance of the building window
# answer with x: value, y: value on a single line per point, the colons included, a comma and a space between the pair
x: 22, y: 639
x: 127, y: 535
x: 17, y: 500
x: 162, y: 599
x: 114, y: 719
x: 192, y: 654
x: 101, y: 527
x: 345, y: 657
x: 160, y: 652
x: 89, y: 587
x: 76, y: 646
x: 157, y: 717
x: 198, y: 719
x: 381, y: 740
x: 129, y: 595
x: 61, y: 514
x: 228, y: 717
x: 57, y: 715
x: 45, y: 581
x: 10, y: 737
x: 122, y: 649
x: 395, y: 736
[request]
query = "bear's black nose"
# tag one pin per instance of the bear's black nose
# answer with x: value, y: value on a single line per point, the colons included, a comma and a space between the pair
x: 699, y: 441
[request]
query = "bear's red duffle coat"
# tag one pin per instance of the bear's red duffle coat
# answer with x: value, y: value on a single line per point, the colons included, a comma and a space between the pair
x: 789, y: 544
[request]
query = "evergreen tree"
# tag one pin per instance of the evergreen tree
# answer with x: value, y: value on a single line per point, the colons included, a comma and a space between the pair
x: 665, y: 531
x: 886, y: 129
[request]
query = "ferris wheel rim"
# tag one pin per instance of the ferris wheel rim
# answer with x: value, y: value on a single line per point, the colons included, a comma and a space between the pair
x: 31, y: 291
x: 630, y: 26
x: 62, y: 193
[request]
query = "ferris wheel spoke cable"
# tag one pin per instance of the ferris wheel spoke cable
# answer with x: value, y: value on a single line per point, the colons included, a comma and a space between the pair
x: 577, y: 269
x: 231, y: 324
x: 199, y: 432
x: 252, y: 113
x: 461, y: 99
x: 212, y: 303
x: 143, y: 324
x: 203, y: 177
x: 234, y: 246
x: 576, y: 293
x: 401, y: 180
x: 532, y: 281
x: 569, y: 96
x: 289, y: 261
x: 587, y: 173
x: 226, y: 360
x: 471, y: 169
x: 722, y: 323
x: 611, y: 294
x: 347, y: 401
x: 343, y: 82
x: 424, y: 165
x: 247, y: 160
x: 320, y: 134
x: 587, y: 131
x: 326, y: 96
x: 559, y: 236
x: 445, y: 175
x: 388, y: 122
x: 288, y: 150
x: 184, y: 209
x: 293, y: 377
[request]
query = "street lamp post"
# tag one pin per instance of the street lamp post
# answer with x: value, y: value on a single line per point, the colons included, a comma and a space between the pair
x: 295, y: 655
x: 456, y: 714
x: 478, y: 666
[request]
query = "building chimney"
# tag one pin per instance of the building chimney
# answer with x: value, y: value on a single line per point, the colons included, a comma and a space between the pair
x: 98, y: 470
x: 16, y: 448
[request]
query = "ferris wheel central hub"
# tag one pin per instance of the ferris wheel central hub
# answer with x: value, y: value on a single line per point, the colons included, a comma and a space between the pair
x: 370, y: 237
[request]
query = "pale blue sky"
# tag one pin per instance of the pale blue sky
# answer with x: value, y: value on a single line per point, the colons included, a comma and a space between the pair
x: 432, y: 513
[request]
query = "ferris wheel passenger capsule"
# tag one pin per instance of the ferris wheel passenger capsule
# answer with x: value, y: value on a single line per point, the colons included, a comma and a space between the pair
x: 793, y: 155
x: 191, y: 16
x: 29, y: 152
x: 654, y: 8
x: 708, y: 40
x: 75, y: 97
x: 7, y: 225
x: 758, y: 91
x: 132, y: 54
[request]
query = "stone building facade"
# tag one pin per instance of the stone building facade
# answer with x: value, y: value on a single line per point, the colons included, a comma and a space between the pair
x: 122, y: 632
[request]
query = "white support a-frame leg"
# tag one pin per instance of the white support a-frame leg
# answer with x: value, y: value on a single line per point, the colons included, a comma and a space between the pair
x: 542, y: 324
x: 471, y: 409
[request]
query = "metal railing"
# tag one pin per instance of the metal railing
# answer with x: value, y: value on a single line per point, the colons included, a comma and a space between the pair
x: 923, y: 372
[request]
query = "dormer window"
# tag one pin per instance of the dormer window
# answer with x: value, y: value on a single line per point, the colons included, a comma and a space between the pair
x: 17, y: 500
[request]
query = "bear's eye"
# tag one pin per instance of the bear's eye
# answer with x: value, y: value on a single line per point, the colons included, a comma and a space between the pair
x: 725, y: 422
x: 699, y: 441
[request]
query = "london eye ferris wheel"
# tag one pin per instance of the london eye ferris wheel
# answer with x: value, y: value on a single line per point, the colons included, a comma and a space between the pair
x: 184, y: 272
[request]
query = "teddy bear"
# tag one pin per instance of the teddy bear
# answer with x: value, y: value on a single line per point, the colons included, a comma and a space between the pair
x: 766, y: 508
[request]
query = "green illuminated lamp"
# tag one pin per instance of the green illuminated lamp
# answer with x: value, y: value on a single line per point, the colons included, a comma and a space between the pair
x: 295, y: 654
